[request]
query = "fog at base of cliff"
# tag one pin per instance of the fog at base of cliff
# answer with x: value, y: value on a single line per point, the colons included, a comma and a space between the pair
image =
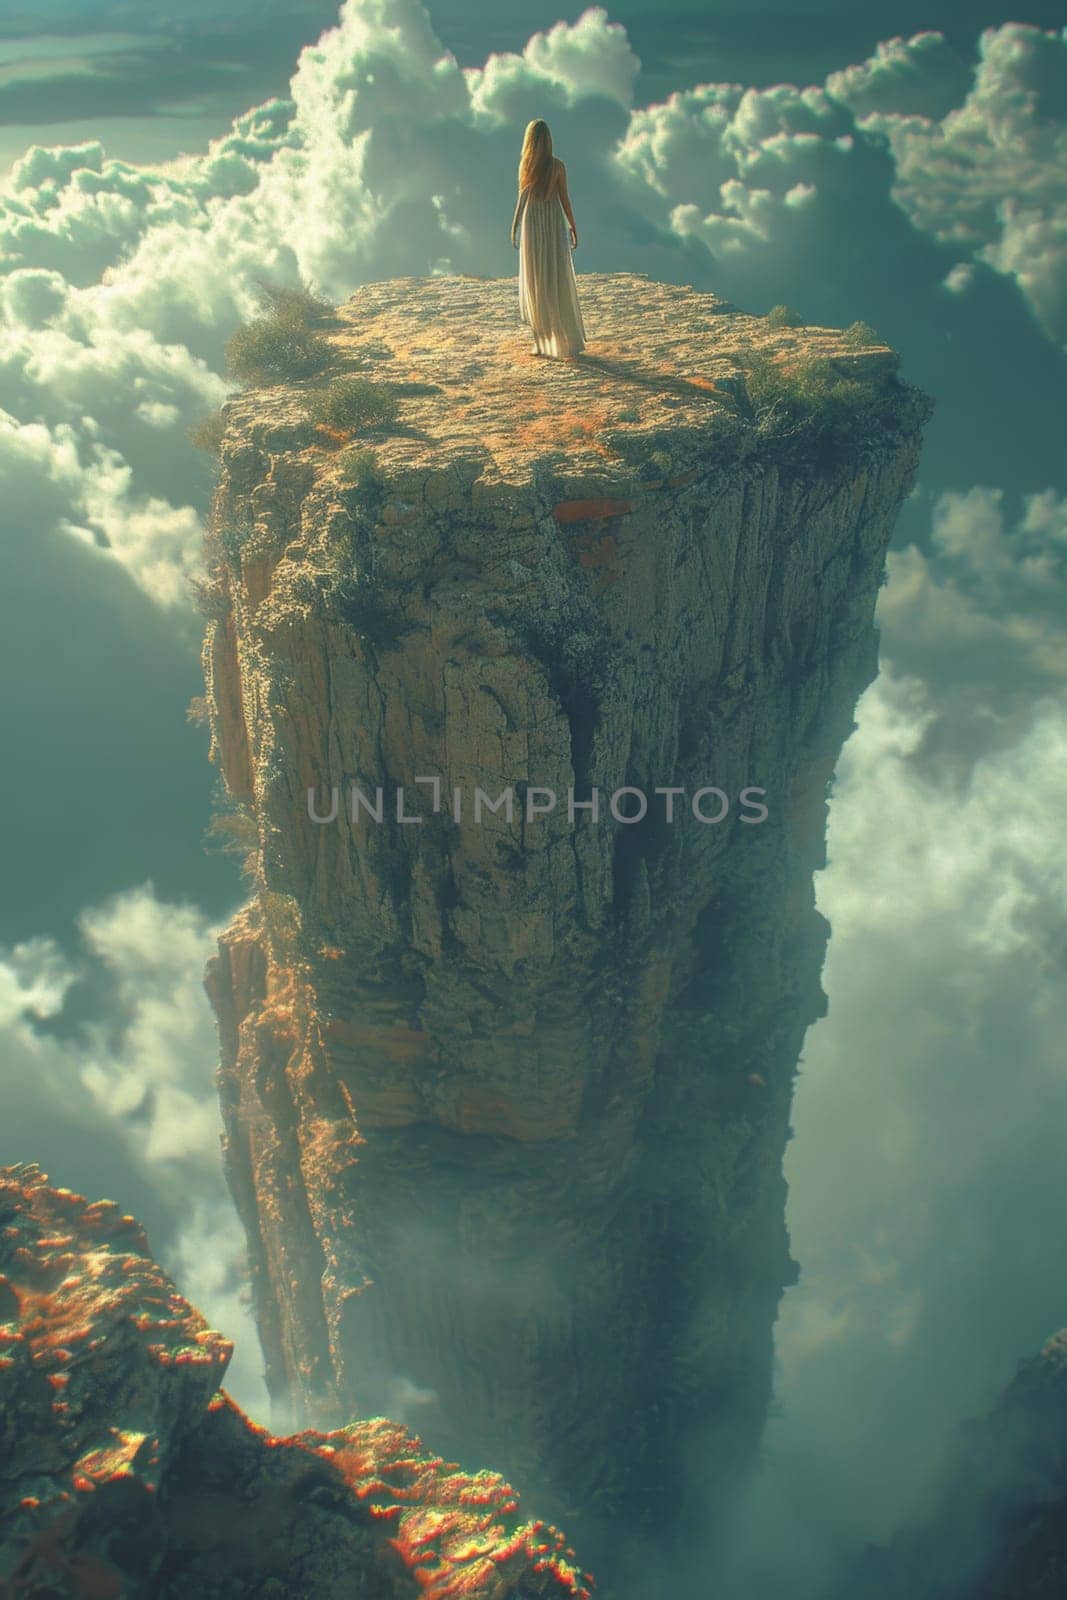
x: 925, y: 1176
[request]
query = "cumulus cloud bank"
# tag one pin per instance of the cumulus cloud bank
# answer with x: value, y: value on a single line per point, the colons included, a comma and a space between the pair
x: 991, y: 174
x: 979, y: 160
x: 122, y: 282
x: 122, y: 1103
x: 925, y: 1176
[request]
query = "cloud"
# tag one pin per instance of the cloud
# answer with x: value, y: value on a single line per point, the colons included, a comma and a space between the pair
x: 982, y: 614
x: 179, y: 67
x: 129, y: 78
x: 727, y: 158
x: 122, y: 1102
x: 767, y: 185
x: 977, y: 160
x: 922, y: 75
x: 926, y: 1174
x: 159, y: 1079
x: 992, y: 173
x: 959, y: 280
x: 34, y: 980
x: 124, y: 281
x: 589, y: 57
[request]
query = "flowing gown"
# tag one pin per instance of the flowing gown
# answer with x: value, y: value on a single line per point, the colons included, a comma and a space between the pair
x: 548, y: 290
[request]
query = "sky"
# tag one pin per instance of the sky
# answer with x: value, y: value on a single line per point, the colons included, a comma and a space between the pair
x: 899, y: 163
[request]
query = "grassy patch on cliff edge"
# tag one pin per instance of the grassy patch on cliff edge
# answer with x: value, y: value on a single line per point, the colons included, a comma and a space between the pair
x: 233, y: 830
x: 206, y: 433
x: 348, y: 404
x: 284, y: 341
x: 807, y: 401
x: 784, y: 317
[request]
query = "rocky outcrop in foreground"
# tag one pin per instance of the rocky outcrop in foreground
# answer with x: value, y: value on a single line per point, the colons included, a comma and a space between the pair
x: 996, y: 1527
x: 126, y: 1474
x: 506, y: 1097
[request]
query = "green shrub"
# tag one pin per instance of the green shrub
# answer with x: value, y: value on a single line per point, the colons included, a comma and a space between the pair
x: 282, y: 342
x: 807, y: 398
x: 859, y: 334
x: 299, y: 305
x: 209, y: 593
x: 276, y: 348
x: 657, y: 465
x: 800, y: 387
x: 350, y: 403
x: 206, y: 432
x: 359, y: 467
x: 784, y: 317
x: 575, y: 648
x: 234, y: 832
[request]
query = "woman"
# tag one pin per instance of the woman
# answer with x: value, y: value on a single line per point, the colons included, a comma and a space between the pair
x: 548, y: 290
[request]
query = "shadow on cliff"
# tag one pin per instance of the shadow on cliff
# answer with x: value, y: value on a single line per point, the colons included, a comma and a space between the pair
x: 649, y: 380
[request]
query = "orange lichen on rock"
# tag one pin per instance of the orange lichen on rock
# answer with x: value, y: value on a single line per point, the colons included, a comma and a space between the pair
x: 458, y: 1534
x: 590, y: 510
x: 155, y: 1462
x: 394, y: 1044
x: 548, y: 428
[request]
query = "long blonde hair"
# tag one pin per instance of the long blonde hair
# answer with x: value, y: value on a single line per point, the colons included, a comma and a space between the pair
x: 536, y: 166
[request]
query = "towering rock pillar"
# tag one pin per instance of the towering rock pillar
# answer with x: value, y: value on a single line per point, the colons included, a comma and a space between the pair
x: 506, y: 1095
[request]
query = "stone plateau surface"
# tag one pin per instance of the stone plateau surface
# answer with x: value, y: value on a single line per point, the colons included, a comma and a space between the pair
x: 126, y: 1474
x: 506, y: 1098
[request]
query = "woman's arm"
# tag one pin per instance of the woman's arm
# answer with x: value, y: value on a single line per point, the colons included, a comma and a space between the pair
x: 565, y: 202
x: 519, y: 205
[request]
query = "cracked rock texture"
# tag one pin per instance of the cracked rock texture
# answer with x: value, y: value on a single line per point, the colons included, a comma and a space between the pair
x: 126, y: 1474
x: 506, y: 1099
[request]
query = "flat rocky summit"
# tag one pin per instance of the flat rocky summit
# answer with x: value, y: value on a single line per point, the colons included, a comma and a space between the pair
x: 660, y: 359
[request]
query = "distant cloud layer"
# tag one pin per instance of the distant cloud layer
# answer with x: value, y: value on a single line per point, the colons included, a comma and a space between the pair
x: 925, y: 1178
x: 980, y: 160
x: 132, y: 1098
x: 992, y: 173
x: 123, y: 282
x: 922, y: 75
x: 983, y: 616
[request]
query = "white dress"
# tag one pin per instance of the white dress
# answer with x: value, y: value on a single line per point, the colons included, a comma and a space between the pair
x: 548, y: 290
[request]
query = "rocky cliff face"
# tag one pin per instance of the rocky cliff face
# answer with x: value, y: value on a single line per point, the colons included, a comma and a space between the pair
x: 506, y: 1097
x: 125, y: 1474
